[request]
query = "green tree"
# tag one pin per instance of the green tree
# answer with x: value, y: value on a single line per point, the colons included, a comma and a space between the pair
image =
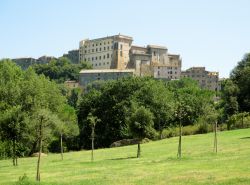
x: 229, y: 98
x: 13, y: 127
x: 61, y: 69
x: 66, y: 126
x: 141, y: 125
x: 43, y: 121
x: 92, y: 122
x: 240, y: 77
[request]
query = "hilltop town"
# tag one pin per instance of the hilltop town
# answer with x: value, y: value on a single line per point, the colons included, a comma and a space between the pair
x: 113, y: 57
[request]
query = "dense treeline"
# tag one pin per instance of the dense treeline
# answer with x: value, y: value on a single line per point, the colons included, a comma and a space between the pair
x: 32, y: 109
x: 235, y: 95
x: 116, y: 103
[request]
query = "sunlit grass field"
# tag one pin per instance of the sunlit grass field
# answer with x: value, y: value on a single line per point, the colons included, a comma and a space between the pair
x: 158, y: 164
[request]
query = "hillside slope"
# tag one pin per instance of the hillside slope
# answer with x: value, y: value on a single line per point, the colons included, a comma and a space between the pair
x: 158, y: 164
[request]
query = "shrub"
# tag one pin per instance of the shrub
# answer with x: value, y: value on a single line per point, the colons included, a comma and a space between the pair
x: 24, y: 180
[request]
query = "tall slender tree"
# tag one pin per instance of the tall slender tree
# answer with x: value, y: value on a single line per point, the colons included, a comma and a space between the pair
x: 92, y: 121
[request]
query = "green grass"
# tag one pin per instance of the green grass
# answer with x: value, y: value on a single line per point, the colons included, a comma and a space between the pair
x: 158, y: 164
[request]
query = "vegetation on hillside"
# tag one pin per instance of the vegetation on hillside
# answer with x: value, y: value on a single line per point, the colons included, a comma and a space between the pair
x: 38, y: 114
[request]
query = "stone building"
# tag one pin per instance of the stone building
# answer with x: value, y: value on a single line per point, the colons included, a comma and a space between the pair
x: 73, y: 56
x: 155, y: 61
x: 206, y: 79
x: 25, y: 62
x: 117, y: 52
x: 89, y: 76
x: 106, y: 53
x: 45, y: 59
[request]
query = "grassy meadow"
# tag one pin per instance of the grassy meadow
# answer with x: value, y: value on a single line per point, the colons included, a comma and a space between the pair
x: 158, y: 164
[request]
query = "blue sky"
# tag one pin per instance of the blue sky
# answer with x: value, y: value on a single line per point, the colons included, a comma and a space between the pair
x: 210, y: 33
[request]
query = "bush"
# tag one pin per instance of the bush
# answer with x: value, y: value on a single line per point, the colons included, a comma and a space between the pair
x: 24, y: 180
x: 236, y: 121
x: 5, y: 151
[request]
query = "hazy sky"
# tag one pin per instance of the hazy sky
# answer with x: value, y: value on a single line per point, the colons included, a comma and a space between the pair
x: 210, y: 33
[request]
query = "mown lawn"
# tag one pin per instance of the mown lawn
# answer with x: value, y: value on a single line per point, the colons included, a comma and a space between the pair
x: 158, y: 164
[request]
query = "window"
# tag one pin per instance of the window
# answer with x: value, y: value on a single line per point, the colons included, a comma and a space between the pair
x: 104, y: 56
x: 100, y: 43
x: 93, y: 45
x: 93, y: 59
x: 108, y: 47
x: 95, y: 64
x: 104, y: 48
x: 96, y: 44
x: 104, y: 43
x: 158, y: 67
x: 107, y: 62
x: 85, y: 51
x: 104, y: 63
x: 158, y: 73
x: 100, y: 64
x: 93, y: 50
x: 154, y: 53
x: 100, y: 57
x: 121, y: 46
x: 108, y: 55
x: 96, y: 58
x: 96, y: 49
x: 116, y: 45
x: 88, y: 59
x: 100, y: 49
x: 121, y: 53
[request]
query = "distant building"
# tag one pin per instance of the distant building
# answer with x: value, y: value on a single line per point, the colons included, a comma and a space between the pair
x: 89, y: 76
x: 206, y: 79
x: 106, y: 53
x: 71, y: 84
x: 155, y: 61
x: 45, y: 59
x: 117, y: 52
x: 73, y: 56
x: 24, y: 63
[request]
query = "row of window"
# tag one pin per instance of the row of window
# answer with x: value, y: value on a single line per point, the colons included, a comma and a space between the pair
x: 96, y: 50
x: 100, y: 57
x: 100, y: 43
x: 100, y: 64
x: 169, y: 72
x: 169, y: 68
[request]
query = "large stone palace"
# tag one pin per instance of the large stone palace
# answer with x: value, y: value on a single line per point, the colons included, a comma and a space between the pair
x: 115, y: 56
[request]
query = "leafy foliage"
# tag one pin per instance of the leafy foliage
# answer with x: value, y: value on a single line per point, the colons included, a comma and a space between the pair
x: 61, y: 69
x: 240, y: 77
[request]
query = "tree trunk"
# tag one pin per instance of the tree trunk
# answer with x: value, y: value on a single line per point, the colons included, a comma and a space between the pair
x: 242, y: 121
x: 14, y: 152
x: 179, y: 146
x: 139, y: 150
x: 40, y: 151
x: 161, y: 134
x: 92, y: 143
x: 215, y: 137
x: 61, y: 147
